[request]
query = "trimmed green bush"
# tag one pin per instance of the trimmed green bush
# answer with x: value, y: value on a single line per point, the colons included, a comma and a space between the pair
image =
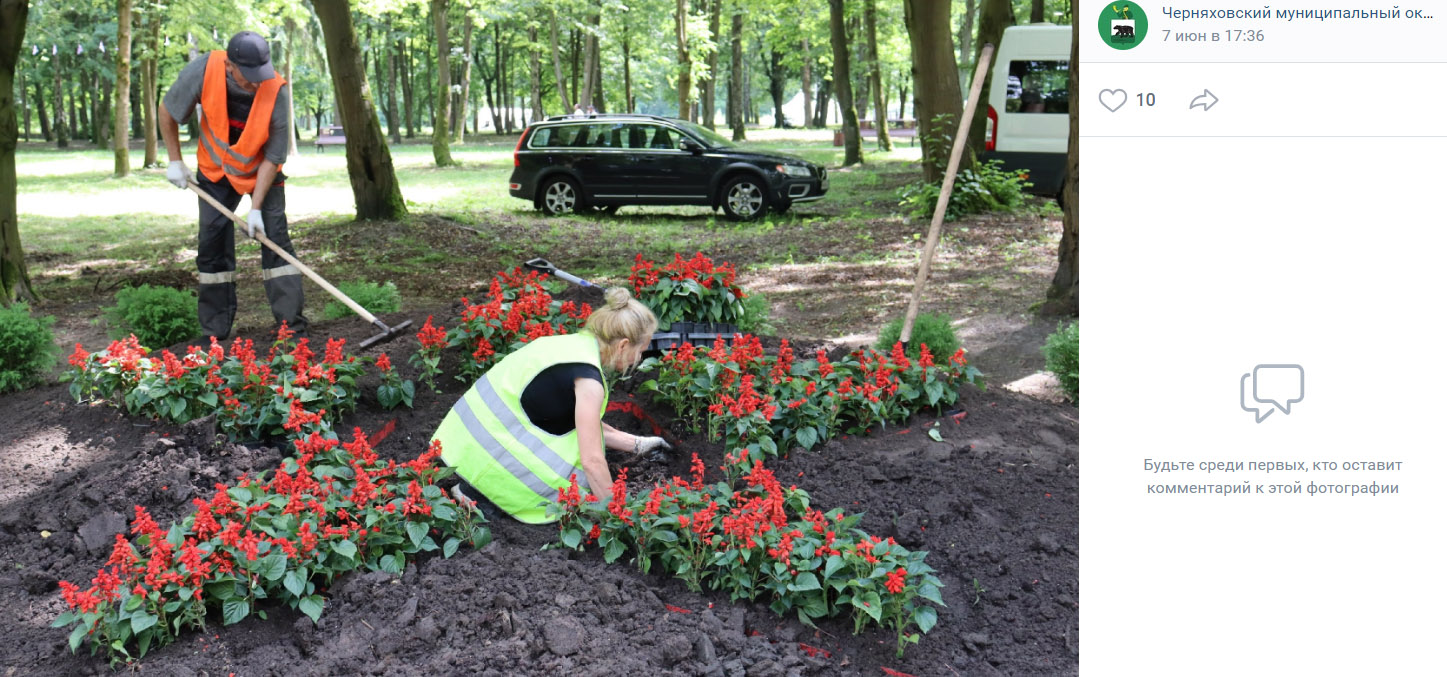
x: 1062, y: 357
x: 376, y: 298
x: 27, y: 348
x: 158, y: 316
x: 933, y: 329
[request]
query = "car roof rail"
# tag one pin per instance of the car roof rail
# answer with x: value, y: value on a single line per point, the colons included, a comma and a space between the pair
x: 642, y: 116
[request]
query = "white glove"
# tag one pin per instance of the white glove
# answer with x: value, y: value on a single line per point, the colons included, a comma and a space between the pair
x: 655, y: 447
x: 253, y: 224
x: 177, y: 174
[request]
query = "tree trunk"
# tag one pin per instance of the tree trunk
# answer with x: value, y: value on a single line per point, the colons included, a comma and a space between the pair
x: 842, y: 86
x: 628, y: 72
x: 881, y: 109
x: 289, y: 31
x: 937, y: 98
x: 62, y: 125
x: 562, y: 84
x: 100, y: 111
x: 466, y: 76
x: 14, y: 278
x: 440, y: 136
x: 135, y: 110
x: 404, y: 68
x: 509, y: 118
x: 590, y: 58
x: 709, y: 86
x: 821, y: 101
x: 24, y: 107
x: 995, y: 16
x: 369, y: 162
x: 903, y: 100
x: 774, y: 68
x: 574, y: 50
x: 535, y: 76
x: 600, y: 100
x: 685, y: 64
x: 805, y: 74
x: 1037, y: 11
x: 736, y: 74
x: 1064, y: 294
x: 394, y: 126
x: 121, y: 143
x: 967, y: 32
x: 40, y: 112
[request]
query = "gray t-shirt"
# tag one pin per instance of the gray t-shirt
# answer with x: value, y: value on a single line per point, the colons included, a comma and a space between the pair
x: 182, y: 97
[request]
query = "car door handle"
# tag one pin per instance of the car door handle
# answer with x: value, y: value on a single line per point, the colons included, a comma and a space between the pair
x: 648, y: 158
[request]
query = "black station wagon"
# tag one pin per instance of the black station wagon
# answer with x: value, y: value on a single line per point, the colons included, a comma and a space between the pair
x: 601, y: 162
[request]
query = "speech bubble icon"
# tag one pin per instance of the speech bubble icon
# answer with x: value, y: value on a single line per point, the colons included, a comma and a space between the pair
x: 1280, y: 385
x: 1247, y: 406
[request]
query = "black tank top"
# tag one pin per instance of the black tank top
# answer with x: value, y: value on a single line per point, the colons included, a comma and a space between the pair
x: 549, y: 401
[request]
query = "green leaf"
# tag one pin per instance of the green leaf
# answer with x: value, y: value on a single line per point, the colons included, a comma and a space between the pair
x: 449, y: 546
x: 345, y: 548
x: 261, y: 615
x: 805, y: 582
x: 934, y: 434
x: 613, y: 551
x: 272, y: 567
x: 144, y: 644
x: 295, y: 582
x: 925, y: 617
x: 208, y: 399
x: 931, y: 592
x: 444, y: 512
x: 221, y: 590
x: 178, y: 408
x: 665, y: 536
x: 571, y: 538
x: 77, y: 635
x: 312, y: 606
x: 234, y: 610
x: 416, y: 531
x: 833, y: 564
x: 807, y: 437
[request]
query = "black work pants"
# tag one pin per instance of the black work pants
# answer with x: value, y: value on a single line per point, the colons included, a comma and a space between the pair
x: 216, y: 261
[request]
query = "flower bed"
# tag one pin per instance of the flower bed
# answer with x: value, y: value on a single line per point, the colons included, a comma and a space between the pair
x: 518, y: 309
x: 758, y: 404
x: 761, y: 541
x: 280, y: 536
x: 693, y: 290
x: 287, y: 391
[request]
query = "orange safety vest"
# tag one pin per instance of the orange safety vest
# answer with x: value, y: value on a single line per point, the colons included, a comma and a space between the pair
x: 215, y: 156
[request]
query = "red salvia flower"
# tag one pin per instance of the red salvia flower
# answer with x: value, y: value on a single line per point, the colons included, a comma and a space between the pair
x: 894, y: 582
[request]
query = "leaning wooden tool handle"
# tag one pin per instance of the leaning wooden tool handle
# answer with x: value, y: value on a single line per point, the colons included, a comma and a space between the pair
x: 976, y: 84
x: 261, y: 237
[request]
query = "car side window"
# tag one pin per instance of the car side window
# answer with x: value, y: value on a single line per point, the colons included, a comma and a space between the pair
x: 607, y: 135
x: 1038, y: 87
x: 662, y: 138
x: 545, y: 137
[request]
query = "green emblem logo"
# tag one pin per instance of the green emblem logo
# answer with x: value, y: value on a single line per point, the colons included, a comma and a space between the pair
x: 1123, y: 25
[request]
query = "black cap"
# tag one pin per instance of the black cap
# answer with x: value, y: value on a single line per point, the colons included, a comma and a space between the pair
x: 249, y: 51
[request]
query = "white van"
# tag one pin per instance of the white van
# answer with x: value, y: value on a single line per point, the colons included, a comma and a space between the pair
x: 1027, y: 121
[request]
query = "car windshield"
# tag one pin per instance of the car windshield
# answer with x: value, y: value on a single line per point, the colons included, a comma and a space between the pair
x: 708, y: 136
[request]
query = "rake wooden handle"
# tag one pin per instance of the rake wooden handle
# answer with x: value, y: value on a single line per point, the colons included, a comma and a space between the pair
x: 265, y: 241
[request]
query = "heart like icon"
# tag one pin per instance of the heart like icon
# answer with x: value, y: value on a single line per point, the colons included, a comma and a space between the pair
x: 1112, y: 99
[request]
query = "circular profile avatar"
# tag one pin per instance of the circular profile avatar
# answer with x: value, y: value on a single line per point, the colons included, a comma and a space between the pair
x: 1123, y: 25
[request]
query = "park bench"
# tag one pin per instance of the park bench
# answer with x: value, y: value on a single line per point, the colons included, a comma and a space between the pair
x: 331, y: 136
x: 898, y: 129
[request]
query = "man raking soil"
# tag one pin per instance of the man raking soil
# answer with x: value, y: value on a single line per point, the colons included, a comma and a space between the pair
x: 243, y: 143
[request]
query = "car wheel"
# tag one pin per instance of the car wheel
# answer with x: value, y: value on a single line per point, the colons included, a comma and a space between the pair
x: 605, y: 210
x: 560, y: 196
x: 782, y: 207
x: 744, y: 199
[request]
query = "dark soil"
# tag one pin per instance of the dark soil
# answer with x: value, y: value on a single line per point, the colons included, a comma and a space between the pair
x: 996, y: 504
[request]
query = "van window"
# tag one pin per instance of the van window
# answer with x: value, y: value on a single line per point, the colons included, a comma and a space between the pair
x: 1038, y: 87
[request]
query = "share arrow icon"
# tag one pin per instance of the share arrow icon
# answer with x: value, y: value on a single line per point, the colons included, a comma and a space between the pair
x: 1205, y: 101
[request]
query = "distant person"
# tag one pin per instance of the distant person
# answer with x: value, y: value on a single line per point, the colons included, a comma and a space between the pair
x: 591, y: 110
x: 535, y: 419
x: 244, y: 134
x: 577, y: 110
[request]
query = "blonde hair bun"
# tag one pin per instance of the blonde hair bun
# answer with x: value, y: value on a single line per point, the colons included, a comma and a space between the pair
x: 617, y: 298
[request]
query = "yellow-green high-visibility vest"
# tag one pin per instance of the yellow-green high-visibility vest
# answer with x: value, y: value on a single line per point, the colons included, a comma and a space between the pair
x: 492, y: 444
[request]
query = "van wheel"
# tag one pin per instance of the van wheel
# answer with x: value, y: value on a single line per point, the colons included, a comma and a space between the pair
x: 560, y: 196
x: 744, y: 199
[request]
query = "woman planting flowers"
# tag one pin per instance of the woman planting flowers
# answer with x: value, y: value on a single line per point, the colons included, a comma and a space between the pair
x: 535, y: 418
